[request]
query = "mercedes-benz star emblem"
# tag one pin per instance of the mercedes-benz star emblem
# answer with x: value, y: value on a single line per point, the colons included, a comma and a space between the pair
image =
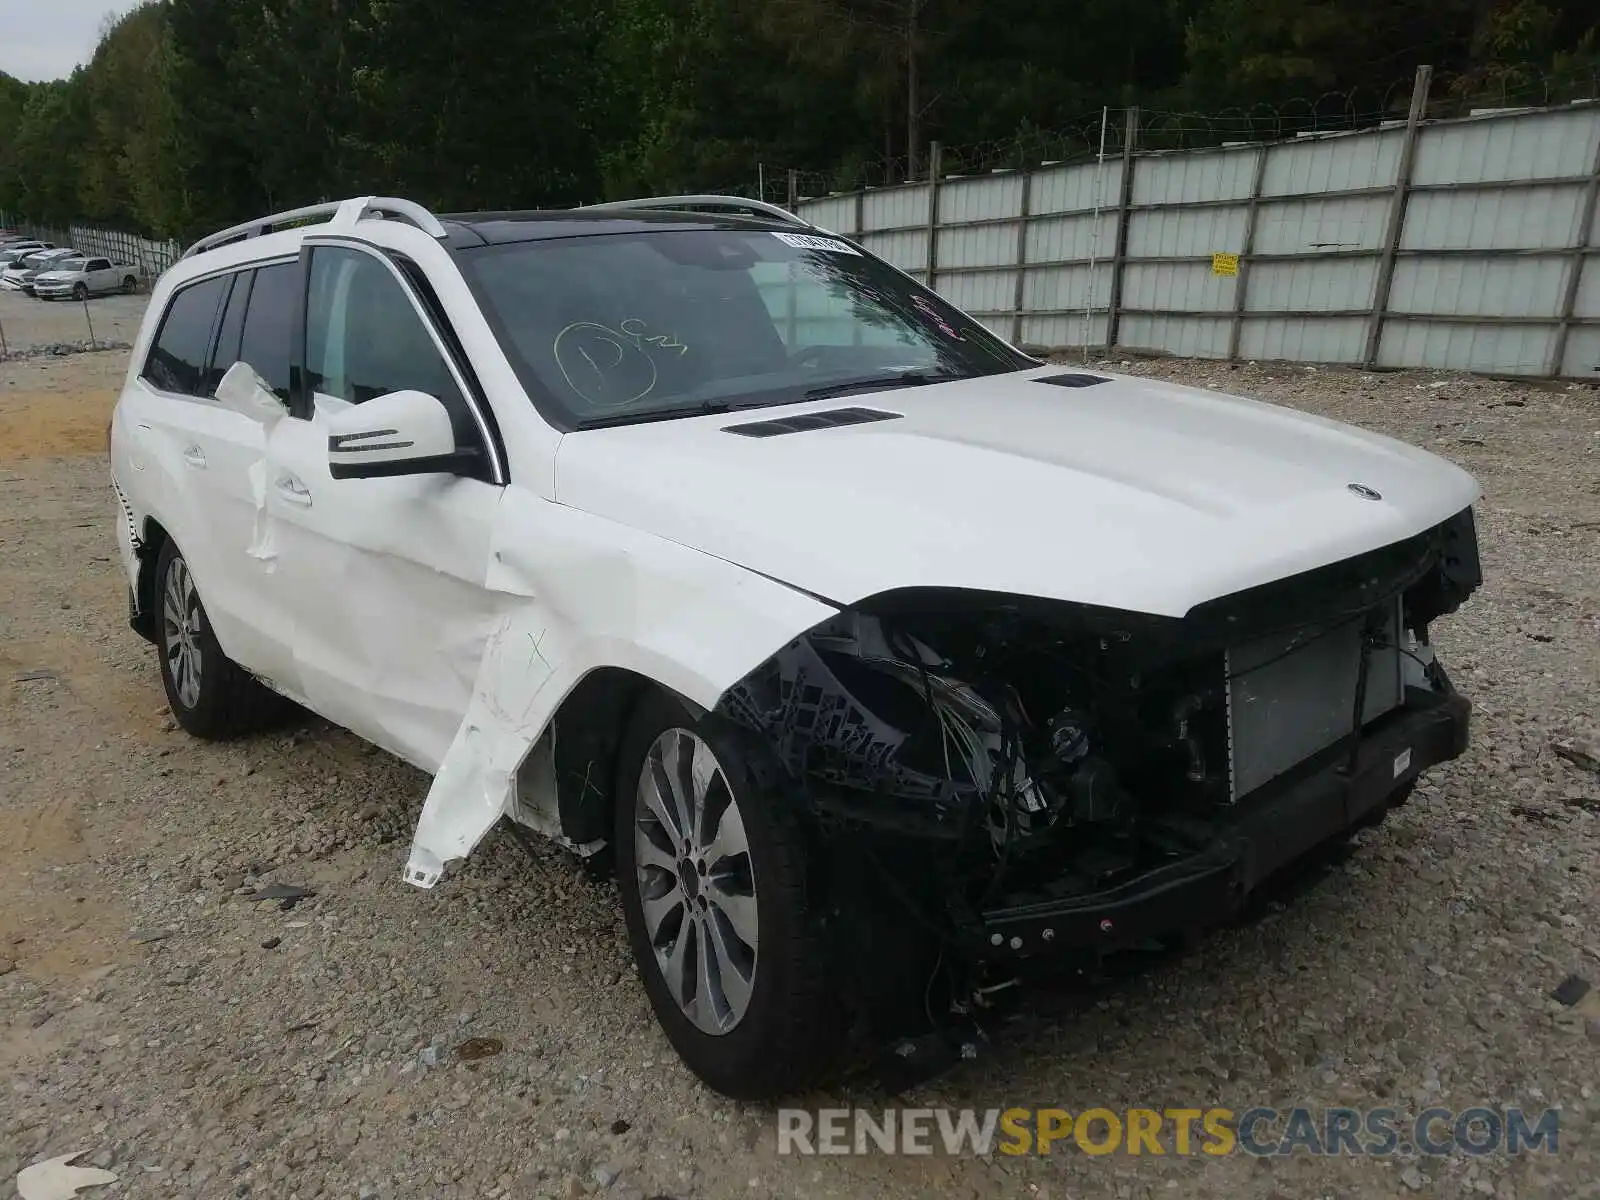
x: 1366, y: 493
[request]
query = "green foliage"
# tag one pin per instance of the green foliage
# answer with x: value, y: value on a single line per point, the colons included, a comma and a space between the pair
x: 197, y: 113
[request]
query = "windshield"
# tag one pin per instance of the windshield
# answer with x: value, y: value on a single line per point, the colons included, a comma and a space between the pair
x: 674, y: 321
x: 67, y: 264
x: 43, y: 258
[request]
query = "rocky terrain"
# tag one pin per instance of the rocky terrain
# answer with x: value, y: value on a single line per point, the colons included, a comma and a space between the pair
x: 213, y: 982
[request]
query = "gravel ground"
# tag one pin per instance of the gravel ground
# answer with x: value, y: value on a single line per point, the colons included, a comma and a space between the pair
x: 200, y: 1043
x: 28, y: 323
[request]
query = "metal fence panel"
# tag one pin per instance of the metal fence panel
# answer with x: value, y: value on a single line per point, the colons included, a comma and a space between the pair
x: 1547, y: 144
x: 1054, y: 289
x: 977, y: 246
x: 1189, y: 337
x: 1178, y: 177
x: 1303, y: 339
x: 988, y: 294
x: 896, y: 208
x: 1184, y: 287
x: 1514, y: 350
x: 1064, y: 329
x: 1526, y: 218
x: 1075, y: 188
x: 1583, y: 351
x: 1333, y: 163
x: 837, y: 213
x: 907, y: 250
x: 1300, y: 226
x: 980, y: 199
x: 1482, y: 287
x: 1185, y: 232
x: 1336, y: 285
x: 1072, y: 236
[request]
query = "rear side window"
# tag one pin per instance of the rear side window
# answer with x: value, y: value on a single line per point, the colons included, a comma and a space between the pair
x: 227, y: 350
x: 177, y: 361
x: 269, y: 325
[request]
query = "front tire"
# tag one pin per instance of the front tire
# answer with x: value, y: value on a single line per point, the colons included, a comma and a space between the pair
x: 712, y: 871
x: 80, y: 291
x: 209, y: 694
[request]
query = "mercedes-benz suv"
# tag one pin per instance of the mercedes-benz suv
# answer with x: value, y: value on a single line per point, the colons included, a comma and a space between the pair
x: 883, y: 662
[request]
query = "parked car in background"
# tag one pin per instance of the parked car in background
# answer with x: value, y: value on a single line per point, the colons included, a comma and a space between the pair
x: 81, y: 278
x: 19, y: 276
x: 12, y: 251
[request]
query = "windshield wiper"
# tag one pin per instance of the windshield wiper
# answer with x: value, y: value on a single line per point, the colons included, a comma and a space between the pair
x: 913, y: 377
x: 639, y: 416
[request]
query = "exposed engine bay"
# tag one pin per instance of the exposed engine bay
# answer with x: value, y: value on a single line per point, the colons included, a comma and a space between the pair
x: 978, y: 753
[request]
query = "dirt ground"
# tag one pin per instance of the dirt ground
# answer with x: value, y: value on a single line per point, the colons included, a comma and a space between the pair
x: 200, y: 1043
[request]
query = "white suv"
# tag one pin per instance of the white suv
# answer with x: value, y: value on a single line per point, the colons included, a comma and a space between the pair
x: 942, y: 666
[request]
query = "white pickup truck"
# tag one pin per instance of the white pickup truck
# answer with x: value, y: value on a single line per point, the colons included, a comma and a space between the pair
x: 81, y: 278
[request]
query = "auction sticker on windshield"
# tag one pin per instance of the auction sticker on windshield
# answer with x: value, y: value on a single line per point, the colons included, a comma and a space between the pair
x: 807, y: 241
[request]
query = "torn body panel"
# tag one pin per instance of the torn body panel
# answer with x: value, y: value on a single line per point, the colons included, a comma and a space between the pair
x: 584, y: 594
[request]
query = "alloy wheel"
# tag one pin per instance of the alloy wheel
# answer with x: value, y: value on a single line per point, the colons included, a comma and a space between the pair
x: 180, y: 633
x: 696, y: 881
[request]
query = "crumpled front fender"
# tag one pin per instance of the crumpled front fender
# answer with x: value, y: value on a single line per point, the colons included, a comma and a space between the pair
x: 582, y: 592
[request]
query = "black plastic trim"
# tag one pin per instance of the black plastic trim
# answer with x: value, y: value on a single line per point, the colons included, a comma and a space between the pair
x: 468, y: 463
x: 801, y: 422
x: 1072, y: 379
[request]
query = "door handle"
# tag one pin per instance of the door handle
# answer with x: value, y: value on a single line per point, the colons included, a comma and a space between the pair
x: 295, y: 492
x: 195, y: 457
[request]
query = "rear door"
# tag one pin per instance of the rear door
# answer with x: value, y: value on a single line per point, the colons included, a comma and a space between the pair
x: 208, y: 459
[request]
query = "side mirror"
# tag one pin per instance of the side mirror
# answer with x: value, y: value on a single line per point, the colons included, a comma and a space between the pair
x: 399, y: 433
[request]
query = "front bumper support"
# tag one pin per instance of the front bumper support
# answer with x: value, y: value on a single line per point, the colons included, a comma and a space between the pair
x: 1267, y: 830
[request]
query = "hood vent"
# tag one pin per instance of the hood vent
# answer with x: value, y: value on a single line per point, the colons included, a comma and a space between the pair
x: 1072, y: 380
x: 812, y: 420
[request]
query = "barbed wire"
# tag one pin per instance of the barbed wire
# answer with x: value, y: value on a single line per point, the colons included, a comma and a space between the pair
x: 1176, y: 129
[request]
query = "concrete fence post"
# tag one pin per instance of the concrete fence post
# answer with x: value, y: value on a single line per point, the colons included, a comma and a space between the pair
x: 1130, y: 135
x: 1397, y: 214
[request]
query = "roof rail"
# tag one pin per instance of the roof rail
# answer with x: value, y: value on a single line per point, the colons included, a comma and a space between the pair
x: 709, y: 204
x: 341, y: 214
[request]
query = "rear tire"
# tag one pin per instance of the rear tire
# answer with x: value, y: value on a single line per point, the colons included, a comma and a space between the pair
x: 210, y: 696
x: 130, y: 285
x: 748, y: 1008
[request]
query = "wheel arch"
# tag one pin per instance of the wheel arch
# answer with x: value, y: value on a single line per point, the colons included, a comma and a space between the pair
x: 152, y: 537
x: 586, y: 735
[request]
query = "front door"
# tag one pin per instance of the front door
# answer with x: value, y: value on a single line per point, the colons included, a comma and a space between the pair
x: 384, y: 578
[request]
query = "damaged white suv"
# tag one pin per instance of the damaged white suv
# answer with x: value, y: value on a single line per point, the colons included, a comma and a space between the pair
x: 937, y: 667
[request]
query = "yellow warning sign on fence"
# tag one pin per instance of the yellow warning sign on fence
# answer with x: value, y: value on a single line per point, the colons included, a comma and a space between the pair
x: 1224, y: 264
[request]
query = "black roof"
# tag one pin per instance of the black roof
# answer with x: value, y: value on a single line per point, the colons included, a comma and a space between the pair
x: 498, y: 228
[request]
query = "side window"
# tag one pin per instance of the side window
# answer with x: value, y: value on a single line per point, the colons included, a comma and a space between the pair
x: 99, y: 264
x: 269, y: 325
x: 227, y: 350
x: 177, y: 361
x: 365, y: 339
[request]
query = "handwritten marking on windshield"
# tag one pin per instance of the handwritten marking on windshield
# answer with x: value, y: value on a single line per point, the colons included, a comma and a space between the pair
x: 612, y: 368
x: 605, y: 368
x: 634, y: 328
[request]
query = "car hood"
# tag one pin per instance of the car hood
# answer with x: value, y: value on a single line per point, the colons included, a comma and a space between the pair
x: 1131, y: 494
x: 43, y: 276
